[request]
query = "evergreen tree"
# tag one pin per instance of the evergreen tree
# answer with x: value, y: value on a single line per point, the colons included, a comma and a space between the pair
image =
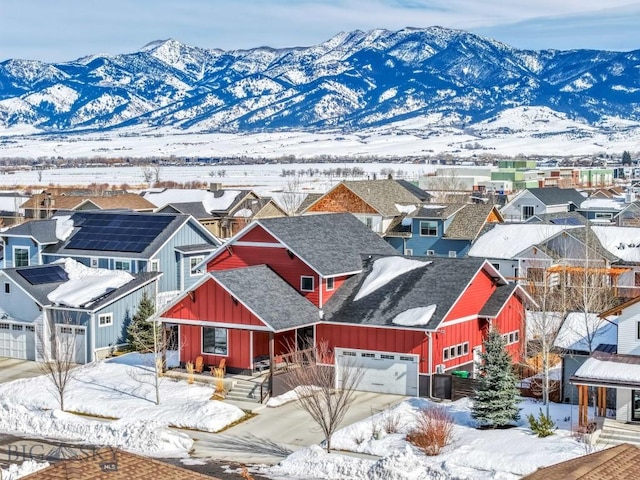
x: 140, y: 330
x: 626, y: 158
x: 496, y: 398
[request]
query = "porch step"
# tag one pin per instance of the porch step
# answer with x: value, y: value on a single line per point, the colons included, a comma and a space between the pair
x: 244, y: 391
x: 616, y: 433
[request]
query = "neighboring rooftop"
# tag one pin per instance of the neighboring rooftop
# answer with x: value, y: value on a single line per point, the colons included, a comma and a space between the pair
x: 114, y: 464
x: 558, y: 196
x: 469, y: 222
x: 42, y: 231
x: 130, y: 201
x: 621, y: 462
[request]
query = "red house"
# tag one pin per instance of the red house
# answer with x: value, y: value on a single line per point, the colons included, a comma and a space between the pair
x: 330, y: 278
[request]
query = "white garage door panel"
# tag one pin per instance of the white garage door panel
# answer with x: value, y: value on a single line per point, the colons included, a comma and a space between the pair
x: 17, y: 340
x: 74, y: 337
x: 383, y: 372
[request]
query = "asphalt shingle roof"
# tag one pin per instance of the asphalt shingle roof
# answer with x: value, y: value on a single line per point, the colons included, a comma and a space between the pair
x: 439, y: 283
x: 422, y: 195
x: 128, y: 466
x: 468, y: 222
x: 441, y: 211
x: 276, y: 302
x: 195, y: 209
x: 331, y: 243
x: 497, y: 300
x: 383, y: 195
x: 557, y: 196
x: 44, y: 231
x: 621, y: 462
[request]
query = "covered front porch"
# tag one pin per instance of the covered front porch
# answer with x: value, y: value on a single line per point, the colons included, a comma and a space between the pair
x: 601, y: 373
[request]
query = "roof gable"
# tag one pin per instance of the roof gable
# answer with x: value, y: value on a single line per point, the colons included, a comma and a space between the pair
x: 557, y: 196
x: 41, y: 231
x: 470, y: 221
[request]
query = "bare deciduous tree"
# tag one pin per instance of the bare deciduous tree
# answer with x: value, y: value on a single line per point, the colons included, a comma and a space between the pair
x: 57, y: 352
x: 292, y: 195
x: 319, y: 392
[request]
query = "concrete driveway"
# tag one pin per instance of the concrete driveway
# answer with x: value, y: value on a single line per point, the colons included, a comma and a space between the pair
x: 274, y: 433
x: 13, y: 369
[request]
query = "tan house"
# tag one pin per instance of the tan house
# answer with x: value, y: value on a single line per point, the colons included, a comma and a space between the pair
x: 223, y: 212
x: 44, y: 205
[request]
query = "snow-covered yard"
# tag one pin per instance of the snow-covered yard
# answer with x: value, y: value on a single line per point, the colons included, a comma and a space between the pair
x: 473, y: 454
x: 119, y: 388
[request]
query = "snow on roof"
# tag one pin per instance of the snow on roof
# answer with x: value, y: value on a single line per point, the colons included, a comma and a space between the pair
x: 64, y: 227
x: 415, y: 316
x: 507, y: 240
x: 623, y: 242
x: 605, y: 368
x: 602, y: 203
x: 579, y: 326
x: 243, y: 212
x: 406, y: 208
x: 208, y: 199
x: 384, y: 270
x: 542, y: 324
x: 86, y: 284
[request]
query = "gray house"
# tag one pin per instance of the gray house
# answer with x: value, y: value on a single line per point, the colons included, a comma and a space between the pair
x: 88, y: 307
x: 134, y: 242
x: 536, y: 201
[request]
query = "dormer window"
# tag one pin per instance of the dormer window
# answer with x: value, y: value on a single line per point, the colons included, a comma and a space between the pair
x: 330, y: 283
x: 428, y: 228
x: 20, y: 257
x: 306, y: 284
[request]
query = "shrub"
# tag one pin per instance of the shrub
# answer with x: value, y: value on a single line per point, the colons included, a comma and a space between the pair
x: 392, y: 421
x: 542, y: 426
x: 190, y: 372
x: 433, y: 430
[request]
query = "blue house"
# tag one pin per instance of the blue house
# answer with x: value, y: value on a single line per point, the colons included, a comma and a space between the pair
x: 441, y: 230
x: 135, y: 242
x: 88, y: 308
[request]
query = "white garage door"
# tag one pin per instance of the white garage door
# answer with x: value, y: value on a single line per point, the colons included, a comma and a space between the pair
x: 74, y: 338
x: 17, y: 340
x: 384, y: 372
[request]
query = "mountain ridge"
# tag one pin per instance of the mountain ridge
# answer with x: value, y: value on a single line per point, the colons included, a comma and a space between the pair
x: 353, y: 81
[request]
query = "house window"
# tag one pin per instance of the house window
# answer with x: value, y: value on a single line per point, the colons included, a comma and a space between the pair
x: 7, y: 288
x: 193, y: 262
x: 105, y: 319
x: 452, y: 254
x: 330, y: 283
x: 123, y: 265
x: 20, y: 257
x: 93, y: 263
x: 445, y: 354
x: 306, y: 284
x: 368, y: 221
x: 637, y: 329
x: 154, y: 265
x: 602, y: 215
x: 215, y: 341
x: 527, y: 211
x: 428, y: 228
x: 496, y: 266
x: 465, y: 348
x: 535, y: 275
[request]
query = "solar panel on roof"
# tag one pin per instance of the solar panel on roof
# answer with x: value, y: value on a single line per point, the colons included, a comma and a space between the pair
x: 117, y: 233
x: 48, y: 274
x: 566, y: 221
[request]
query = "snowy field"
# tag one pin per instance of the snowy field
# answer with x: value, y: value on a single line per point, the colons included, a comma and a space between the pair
x: 473, y: 454
x: 119, y: 388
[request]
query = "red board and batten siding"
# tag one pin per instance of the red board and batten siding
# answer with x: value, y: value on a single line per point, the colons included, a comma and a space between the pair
x: 213, y: 303
x: 378, y: 339
x: 239, y: 344
x: 472, y: 331
x: 511, y: 319
x: 474, y: 297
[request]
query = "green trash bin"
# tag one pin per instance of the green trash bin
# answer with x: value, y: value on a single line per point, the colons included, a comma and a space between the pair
x: 461, y: 373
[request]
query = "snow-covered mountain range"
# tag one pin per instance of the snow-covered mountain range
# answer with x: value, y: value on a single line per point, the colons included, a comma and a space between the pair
x: 355, y: 81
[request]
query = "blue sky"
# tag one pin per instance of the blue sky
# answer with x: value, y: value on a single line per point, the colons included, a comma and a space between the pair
x: 60, y: 30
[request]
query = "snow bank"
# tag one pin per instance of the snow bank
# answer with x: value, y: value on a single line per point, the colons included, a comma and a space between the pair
x: 14, y: 471
x: 415, y: 317
x: 86, y: 284
x: 123, y: 387
x: 149, y: 438
x: 384, y: 270
x: 472, y: 455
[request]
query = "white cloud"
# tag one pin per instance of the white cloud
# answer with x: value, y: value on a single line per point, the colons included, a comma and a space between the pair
x: 121, y: 26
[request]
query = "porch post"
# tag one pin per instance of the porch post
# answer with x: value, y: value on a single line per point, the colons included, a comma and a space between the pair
x: 272, y: 341
x: 602, y: 401
x: 583, y: 405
